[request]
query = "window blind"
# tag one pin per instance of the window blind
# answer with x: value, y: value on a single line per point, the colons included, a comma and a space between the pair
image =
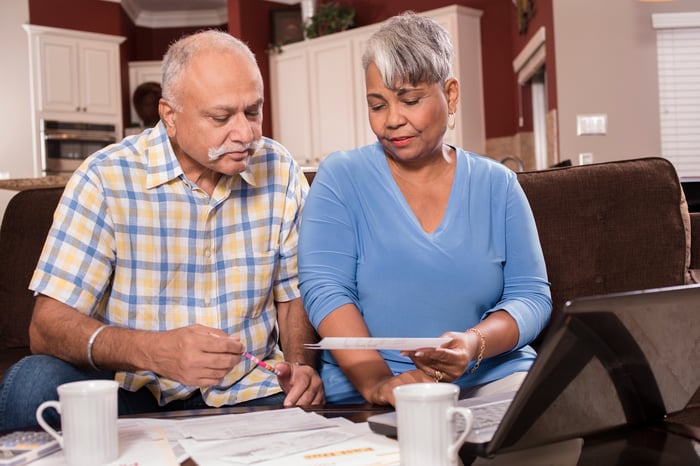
x: 678, y: 51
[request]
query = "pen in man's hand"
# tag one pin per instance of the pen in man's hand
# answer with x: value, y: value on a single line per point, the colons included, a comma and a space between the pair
x: 260, y: 363
x: 257, y: 361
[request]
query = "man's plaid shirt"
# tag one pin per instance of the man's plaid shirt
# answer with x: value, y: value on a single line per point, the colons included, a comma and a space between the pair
x: 137, y: 245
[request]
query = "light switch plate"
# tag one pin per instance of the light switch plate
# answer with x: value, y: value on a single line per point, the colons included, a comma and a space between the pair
x: 591, y: 124
x: 585, y: 158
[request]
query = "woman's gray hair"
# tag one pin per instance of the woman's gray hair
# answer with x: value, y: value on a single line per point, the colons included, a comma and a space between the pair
x: 410, y: 48
x: 181, y: 52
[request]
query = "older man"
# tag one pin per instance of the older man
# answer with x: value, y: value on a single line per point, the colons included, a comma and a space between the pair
x: 174, y: 252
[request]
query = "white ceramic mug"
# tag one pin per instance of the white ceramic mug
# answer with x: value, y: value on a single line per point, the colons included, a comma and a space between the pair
x: 426, y: 415
x: 88, y: 410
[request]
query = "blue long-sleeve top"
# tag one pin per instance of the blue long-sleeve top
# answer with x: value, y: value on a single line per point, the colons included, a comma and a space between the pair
x: 360, y: 243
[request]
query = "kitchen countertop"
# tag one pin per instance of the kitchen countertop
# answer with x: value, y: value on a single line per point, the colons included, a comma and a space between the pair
x: 21, y: 184
x: 59, y: 181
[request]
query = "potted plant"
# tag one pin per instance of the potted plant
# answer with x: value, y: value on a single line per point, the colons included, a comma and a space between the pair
x: 330, y: 17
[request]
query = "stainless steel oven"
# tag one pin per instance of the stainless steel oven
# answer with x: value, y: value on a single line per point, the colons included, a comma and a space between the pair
x: 67, y: 144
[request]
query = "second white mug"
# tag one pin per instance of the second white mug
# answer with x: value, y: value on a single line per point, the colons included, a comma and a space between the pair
x: 426, y: 415
x: 88, y: 410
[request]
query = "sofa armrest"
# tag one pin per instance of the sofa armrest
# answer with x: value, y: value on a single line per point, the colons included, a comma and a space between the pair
x: 695, y: 246
x: 24, y: 227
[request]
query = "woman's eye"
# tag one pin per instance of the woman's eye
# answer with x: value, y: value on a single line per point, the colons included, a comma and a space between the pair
x: 220, y: 119
x: 411, y: 102
x: 376, y: 108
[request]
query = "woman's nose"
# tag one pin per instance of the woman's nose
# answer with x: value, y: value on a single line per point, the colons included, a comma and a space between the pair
x: 394, y: 117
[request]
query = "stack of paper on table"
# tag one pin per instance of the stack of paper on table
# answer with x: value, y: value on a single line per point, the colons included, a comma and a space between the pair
x: 273, y: 437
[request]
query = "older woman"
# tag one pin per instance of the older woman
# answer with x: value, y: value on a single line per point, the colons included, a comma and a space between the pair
x: 411, y: 237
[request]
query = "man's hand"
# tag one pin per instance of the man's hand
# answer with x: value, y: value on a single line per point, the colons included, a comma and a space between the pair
x: 196, y: 355
x: 301, y: 383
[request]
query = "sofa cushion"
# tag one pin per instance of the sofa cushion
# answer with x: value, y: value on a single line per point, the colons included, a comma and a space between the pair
x: 610, y: 227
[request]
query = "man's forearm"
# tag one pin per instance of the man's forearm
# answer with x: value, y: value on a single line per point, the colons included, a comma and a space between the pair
x: 61, y: 331
x: 295, y: 330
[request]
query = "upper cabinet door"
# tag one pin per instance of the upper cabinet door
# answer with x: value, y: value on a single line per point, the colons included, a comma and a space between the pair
x: 291, y: 104
x: 58, y: 64
x: 333, y: 100
x: 99, y: 77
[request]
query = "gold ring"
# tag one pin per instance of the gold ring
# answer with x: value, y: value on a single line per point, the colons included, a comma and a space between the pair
x: 438, y: 376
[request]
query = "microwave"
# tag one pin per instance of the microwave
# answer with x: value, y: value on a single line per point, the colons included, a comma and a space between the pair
x: 67, y: 144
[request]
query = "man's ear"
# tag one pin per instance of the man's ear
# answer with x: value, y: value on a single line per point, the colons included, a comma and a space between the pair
x: 452, y: 94
x: 167, y: 114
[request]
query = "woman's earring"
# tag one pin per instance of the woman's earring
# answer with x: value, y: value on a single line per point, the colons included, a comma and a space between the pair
x: 451, y: 120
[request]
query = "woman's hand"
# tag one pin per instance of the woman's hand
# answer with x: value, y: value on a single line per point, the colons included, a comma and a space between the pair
x: 494, y: 335
x: 448, y: 362
x: 383, y: 392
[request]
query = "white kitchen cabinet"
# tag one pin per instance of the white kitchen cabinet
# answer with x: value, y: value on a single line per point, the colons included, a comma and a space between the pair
x: 318, y: 89
x: 75, y: 74
x: 76, y: 78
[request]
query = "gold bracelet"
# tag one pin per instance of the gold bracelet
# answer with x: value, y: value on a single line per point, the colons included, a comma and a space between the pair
x: 482, y: 348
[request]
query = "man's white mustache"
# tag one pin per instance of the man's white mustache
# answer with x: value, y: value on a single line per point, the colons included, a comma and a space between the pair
x: 251, y: 147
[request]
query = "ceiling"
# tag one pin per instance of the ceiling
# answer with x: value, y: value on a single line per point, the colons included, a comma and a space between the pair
x: 175, y: 13
x: 179, y: 5
x: 179, y: 13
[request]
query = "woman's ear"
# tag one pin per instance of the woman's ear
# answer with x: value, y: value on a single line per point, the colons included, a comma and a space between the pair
x: 452, y: 94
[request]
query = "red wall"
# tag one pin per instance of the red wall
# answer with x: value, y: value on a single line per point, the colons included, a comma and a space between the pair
x: 543, y: 17
x: 82, y: 15
x: 249, y: 21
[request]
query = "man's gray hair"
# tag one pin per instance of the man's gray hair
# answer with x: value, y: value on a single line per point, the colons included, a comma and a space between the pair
x: 410, y: 48
x: 181, y: 52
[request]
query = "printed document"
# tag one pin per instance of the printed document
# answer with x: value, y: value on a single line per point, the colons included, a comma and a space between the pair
x: 377, y: 343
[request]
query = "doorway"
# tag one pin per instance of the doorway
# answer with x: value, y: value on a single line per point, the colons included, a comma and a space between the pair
x: 539, y: 117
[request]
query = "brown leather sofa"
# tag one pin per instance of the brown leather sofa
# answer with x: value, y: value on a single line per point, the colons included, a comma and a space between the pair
x: 604, y: 228
x: 613, y: 227
x: 24, y: 227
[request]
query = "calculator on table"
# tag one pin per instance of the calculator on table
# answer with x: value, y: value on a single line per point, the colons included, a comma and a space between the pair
x: 22, y: 447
